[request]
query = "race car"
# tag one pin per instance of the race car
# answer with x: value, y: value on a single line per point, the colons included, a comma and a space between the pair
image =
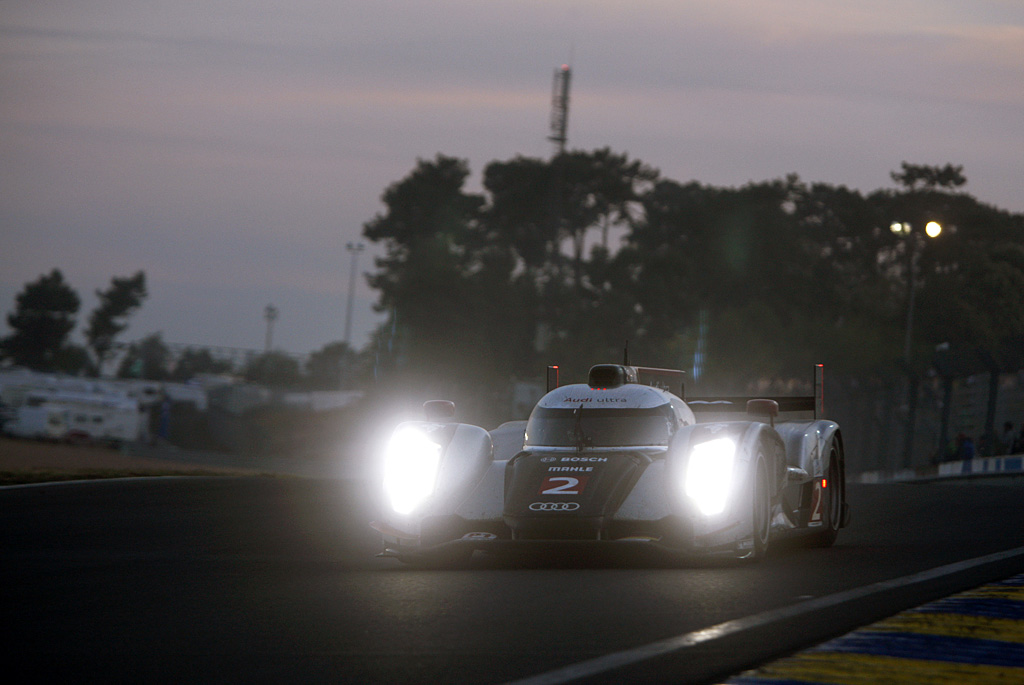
x: 622, y: 460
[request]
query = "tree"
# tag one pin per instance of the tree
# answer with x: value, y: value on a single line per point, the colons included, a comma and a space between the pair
x: 520, y: 216
x: 598, y: 189
x: 74, y: 360
x: 971, y: 280
x: 538, y: 209
x: 328, y: 366
x: 148, y: 358
x: 43, y: 318
x: 117, y: 303
x: 979, y: 306
x: 765, y: 278
x: 428, y: 235
x: 194, y: 362
x: 713, y: 255
x: 924, y: 177
x: 275, y: 369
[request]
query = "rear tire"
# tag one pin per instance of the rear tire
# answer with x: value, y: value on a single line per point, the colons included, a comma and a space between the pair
x: 832, y: 504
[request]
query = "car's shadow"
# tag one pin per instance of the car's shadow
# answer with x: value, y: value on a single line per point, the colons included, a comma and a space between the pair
x: 594, y: 557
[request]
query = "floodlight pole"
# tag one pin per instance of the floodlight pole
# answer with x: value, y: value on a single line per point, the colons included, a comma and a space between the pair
x: 906, y: 232
x: 354, y: 249
x: 911, y: 293
x: 270, y: 314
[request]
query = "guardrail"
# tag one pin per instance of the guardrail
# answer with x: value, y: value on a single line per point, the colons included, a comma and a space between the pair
x: 982, y: 465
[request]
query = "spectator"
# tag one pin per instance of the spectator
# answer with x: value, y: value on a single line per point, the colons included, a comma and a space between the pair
x: 1007, y: 439
x: 966, y: 454
x: 953, y: 448
x: 965, y: 451
x: 1018, y: 444
x: 988, y: 445
x: 165, y: 418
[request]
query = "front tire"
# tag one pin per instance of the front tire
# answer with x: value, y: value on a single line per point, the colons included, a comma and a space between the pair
x: 761, y: 511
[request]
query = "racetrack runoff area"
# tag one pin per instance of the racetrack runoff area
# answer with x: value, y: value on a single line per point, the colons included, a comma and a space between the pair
x: 972, y: 637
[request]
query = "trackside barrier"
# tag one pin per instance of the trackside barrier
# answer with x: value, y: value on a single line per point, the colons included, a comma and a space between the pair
x: 980, y: 466
x: 1013, y: 463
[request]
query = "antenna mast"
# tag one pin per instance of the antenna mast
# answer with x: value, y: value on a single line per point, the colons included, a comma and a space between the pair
x: 560, y: 108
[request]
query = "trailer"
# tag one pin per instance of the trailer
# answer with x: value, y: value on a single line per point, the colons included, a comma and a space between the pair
x: 66, y: 415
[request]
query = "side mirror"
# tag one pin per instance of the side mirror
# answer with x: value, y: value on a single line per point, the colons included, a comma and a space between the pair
x: 439, y: 411
x: 763, y: 407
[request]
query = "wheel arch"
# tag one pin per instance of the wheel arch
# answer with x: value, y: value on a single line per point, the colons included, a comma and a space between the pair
x: 836, y: 439
x: 760, y: 437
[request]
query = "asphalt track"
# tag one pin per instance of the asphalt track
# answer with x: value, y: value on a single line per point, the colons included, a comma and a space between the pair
x: 275, y: 580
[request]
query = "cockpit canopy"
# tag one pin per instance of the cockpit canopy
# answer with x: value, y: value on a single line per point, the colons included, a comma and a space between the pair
x: 583, y: 417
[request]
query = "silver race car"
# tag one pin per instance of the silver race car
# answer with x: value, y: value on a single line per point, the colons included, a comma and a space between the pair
x: 622, y: 460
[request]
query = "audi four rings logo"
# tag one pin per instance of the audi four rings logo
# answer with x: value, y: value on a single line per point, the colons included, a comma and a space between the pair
x: 554, y: 506
x: 479, y: 536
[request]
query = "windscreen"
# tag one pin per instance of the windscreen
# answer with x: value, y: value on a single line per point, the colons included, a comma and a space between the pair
x: 584, y: 427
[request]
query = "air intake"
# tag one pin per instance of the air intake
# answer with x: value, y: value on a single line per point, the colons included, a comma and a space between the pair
x: 611, y: 376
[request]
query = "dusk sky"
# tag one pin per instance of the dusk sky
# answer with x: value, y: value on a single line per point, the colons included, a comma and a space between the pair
x: 231, y: 148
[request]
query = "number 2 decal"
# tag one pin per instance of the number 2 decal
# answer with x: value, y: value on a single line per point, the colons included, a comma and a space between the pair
x: 562, y: 485
x: 816, y: 500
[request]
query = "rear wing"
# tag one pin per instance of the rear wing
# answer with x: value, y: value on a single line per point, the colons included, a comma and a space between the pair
x: 725, y: 404
x: 670, y: 380
x: 612, y: 375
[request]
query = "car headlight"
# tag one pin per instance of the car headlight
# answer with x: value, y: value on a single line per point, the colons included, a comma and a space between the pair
x: 709, y: 475
x: 411, y: 462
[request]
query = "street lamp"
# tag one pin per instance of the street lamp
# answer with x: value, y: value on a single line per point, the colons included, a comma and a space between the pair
x: 932, y: 229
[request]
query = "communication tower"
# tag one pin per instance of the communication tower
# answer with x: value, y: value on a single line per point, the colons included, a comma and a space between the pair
x: 560, y: 108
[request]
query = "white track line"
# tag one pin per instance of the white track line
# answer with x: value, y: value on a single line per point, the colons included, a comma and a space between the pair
x: 80, y: 481
x: 608, y: 662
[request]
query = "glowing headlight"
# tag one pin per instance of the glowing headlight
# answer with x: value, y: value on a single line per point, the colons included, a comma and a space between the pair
x: 709, y: 475
x: 410, y: 468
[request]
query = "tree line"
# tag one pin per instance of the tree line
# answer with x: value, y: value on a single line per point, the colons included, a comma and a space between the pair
x: 564, y: 260
x: 153, y: 359
x: 45, y: 315
x: 46, y: 312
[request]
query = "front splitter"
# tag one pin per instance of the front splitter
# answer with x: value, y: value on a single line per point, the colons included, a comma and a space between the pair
x: 626, y: 550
